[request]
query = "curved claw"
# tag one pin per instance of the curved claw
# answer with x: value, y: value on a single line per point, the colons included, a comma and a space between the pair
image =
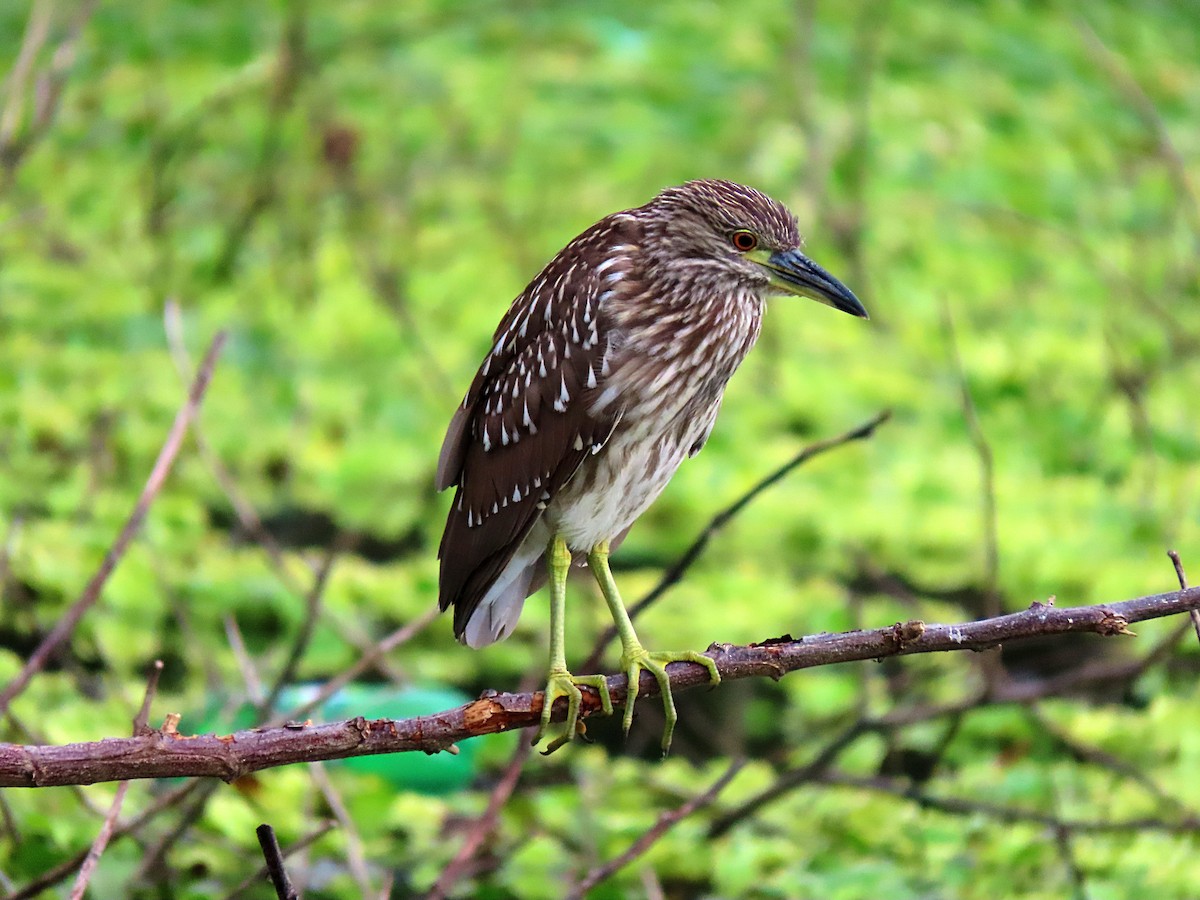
x: 634, y: 662
x: 564, y: 684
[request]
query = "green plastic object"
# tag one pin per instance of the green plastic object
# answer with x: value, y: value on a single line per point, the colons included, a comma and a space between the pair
x: 438, y: 773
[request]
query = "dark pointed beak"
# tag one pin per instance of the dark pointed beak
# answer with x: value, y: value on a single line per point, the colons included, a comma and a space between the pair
x: 794, y: 273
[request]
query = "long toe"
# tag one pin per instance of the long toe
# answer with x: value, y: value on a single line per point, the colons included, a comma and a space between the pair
x: 701, y: 659
x: 656, y: 663
x: 564, y: 684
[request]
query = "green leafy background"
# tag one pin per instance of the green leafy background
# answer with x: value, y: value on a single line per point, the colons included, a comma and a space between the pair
x: 356, y: 190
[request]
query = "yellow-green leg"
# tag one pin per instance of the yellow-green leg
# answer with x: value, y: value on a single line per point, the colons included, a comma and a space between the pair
x: 635, y: 657
x: 560, y: 682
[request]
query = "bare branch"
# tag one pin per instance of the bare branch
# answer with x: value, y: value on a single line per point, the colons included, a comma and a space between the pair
x: 792, y: 779
x: 8, y: 547
x: 191, y: 807
x: 1012, y: 814
x: 665, y: 823
x: 263, y: 872
x: 158, y: 475
x: 140, y: 726
x: 37, y: 29
x: 483, y: 825
x: 293, y: 61
x: 1083, y: 752
x: 248, y: 517
x: 63, y: 870
x: 312, y: 612
x: 275, y: 868
x: 237, y: 646
x: 162, y: 755
x: 1065, y: 841
x: 98, y: 845
x: 1183, y: 583
x: 141, y: 722
x: 47, y: 85
x: 355, y: 855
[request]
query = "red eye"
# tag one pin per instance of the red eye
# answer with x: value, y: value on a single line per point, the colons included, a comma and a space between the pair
x: 743, y: 241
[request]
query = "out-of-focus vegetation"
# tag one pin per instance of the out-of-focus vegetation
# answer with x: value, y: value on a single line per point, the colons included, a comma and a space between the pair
x: 357, y: 190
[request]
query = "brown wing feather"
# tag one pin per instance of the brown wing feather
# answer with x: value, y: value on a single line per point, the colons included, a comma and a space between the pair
x: 524, y: 427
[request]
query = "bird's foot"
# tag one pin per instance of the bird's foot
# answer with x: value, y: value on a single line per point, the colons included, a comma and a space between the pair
x: 562, y: 683
x: 636, y: 658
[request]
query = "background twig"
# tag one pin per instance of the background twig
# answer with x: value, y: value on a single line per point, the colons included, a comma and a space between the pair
x: 275, y: 867
x: 665, y: 823
x: 158, y: 475
x: 1183, y: 583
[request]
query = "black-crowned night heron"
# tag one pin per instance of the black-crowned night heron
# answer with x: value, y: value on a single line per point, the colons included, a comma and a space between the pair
x: 605, y: 373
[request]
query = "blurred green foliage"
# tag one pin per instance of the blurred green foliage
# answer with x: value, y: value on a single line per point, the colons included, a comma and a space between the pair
x: 356, y: 191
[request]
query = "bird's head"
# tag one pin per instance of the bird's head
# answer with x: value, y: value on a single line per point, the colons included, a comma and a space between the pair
x: 723, y: 230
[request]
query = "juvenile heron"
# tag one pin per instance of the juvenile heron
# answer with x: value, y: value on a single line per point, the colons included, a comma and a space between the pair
x: 605, y: 373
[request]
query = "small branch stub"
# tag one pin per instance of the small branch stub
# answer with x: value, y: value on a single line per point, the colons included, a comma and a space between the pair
x: 907, y: 633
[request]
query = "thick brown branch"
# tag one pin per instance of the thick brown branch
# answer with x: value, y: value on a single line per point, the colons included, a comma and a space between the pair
x: 161, y: 755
